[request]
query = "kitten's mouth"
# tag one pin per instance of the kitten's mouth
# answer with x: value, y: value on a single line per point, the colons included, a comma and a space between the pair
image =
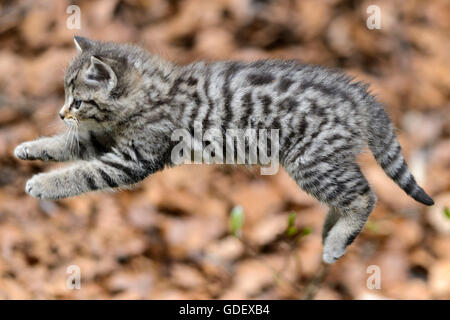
x: 70, y: 121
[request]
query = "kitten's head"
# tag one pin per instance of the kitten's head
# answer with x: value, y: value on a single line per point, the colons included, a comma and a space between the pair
x: 98, y: 83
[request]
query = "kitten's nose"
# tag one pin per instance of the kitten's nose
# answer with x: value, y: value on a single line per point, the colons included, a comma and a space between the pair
x: 61, y: 115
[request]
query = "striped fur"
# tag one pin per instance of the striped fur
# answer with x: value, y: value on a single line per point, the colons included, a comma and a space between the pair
x: 125, y: 103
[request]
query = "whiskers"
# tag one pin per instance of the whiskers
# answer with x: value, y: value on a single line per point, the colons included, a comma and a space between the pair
x: 72, y: 136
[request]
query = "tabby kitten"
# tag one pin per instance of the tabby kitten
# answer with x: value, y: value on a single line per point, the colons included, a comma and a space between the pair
x: 124, y: 104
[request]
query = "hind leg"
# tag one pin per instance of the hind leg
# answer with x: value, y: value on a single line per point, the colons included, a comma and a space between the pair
x: 342, y: 186
x: 342, y: 225
x: 330, y: 220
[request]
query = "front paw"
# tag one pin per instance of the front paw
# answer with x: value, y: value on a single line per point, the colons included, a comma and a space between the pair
x: 23, y: 151
x: 31, y: 151
x: 42, y: 187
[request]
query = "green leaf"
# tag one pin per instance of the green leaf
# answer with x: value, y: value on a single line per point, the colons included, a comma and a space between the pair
x: 291, y: 229
x: 447, y: 212
x: 236, y: 221
x: 291, y: 219
x: 372, y: 226
x: 306, y: 231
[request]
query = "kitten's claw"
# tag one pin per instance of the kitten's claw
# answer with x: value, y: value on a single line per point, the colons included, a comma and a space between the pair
x: 34, y: 187
x: 21, y: 152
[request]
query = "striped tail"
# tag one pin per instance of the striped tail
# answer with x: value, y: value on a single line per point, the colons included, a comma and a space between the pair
x: 387, y: 151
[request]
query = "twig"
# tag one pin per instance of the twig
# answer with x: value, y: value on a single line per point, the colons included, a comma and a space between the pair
x: 314, y: 284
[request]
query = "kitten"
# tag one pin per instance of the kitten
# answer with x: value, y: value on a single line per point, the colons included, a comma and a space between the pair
x: 124, y: 104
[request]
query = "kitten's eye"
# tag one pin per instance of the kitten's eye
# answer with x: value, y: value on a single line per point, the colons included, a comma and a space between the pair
x: 77, y: 104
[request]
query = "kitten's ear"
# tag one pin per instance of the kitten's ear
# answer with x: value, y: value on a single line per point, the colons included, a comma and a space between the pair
x: 100, y: 73
x: 82, y: 44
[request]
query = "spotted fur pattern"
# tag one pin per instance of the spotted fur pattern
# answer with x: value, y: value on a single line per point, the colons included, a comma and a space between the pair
x: 124, y: 104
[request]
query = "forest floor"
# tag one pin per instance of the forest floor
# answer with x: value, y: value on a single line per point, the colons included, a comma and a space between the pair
x: 169, y: 237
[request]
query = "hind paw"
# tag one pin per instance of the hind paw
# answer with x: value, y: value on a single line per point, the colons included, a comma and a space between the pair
x: 333, y: 250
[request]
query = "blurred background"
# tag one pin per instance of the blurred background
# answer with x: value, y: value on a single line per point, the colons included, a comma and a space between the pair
x: 169, y: 238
